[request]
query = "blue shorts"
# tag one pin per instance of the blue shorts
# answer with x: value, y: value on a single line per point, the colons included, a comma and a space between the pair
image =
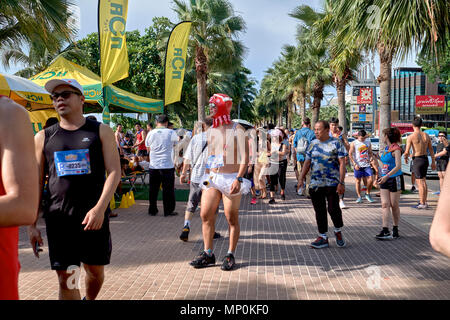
x: 363, y: 172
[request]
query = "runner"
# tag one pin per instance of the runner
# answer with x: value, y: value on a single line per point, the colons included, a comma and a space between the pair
x: 302, y: 140
x: 336, y: 133
x: 18, y: 190
x: 75, y: 154
x: 140, y: 142
x: 194, y: 163
x: 391, y: 182
x: 361, y: 157
x: 120, y: 137
x: 421, y: 145
x: 278, y: 163
x: 325, y: 158
x: 226, y: 165
x: 442, y: 157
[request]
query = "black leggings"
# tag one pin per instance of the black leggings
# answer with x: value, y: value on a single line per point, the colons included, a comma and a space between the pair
x: 279, y: 176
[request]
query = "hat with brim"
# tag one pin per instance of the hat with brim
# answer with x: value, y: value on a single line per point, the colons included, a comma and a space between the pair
x: 52, y: 84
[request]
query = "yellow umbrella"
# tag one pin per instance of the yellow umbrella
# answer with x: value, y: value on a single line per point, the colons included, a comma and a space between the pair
x: 25, y: 92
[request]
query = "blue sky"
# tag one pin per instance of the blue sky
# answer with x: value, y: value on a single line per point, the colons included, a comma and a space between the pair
x: 269, y: 27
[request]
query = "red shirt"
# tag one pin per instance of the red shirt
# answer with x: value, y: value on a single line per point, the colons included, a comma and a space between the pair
x: 139, y: 138
x: 9, y: 259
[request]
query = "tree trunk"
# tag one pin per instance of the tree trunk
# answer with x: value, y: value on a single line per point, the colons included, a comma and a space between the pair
x: 384, y: 79
x: 302, y: 102
x: 340, y: 88
x: 318, y: 96
x: 201, y: 68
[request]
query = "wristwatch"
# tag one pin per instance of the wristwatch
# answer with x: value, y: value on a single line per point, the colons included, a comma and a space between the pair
x: 343, y: 183
x: 239, y: 179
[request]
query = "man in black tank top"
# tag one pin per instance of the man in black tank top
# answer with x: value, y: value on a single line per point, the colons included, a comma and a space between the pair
x: 83, y: 167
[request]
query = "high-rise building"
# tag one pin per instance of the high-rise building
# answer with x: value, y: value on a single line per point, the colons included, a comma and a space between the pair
x: 407, y: 83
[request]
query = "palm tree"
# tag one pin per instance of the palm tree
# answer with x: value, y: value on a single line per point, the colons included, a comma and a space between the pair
x: 30, y: 21
x: 214, y: 33
x: 393, y: 29
x: 345, y: 55
x: 316, y: 55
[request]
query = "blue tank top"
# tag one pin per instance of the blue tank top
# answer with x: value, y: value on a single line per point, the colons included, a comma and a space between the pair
x: 388, y: 160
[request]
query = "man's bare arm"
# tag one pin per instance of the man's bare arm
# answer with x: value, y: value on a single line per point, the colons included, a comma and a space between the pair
x: 440, y: 228
x: 19, y: 173
x: 112, y: 166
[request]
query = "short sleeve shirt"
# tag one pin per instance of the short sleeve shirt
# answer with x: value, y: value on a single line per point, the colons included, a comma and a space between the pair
x: 161, y: 142
x: 194, y: 154
x: 324, y: 158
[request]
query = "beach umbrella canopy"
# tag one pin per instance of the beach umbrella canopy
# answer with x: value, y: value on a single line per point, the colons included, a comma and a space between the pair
x: 25, y: 92
x: 117, y: 99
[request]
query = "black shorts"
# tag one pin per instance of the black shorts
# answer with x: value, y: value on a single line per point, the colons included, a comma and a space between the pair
x: 441, y: 165
x: 69, y: 244
x: 142, y: 153
x: 420, y: 167
x: 394, y: 184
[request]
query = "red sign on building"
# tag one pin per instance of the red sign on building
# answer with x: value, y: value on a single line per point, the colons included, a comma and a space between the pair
x: 430, y: 104
x: 365, y: 96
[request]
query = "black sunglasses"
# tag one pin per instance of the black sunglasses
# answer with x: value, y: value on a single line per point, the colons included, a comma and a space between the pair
x: 441, y: 136
x: 64, y: 95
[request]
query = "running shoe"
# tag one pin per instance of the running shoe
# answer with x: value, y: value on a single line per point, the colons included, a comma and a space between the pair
x: 203, y: 260
x: 228, y: 262
x: 217, y: 235
x: 253, y: 201
x: 271, y: 201
x: 258, y: 193
x: 320, y: 243
x: 384, y: 235
x: 369, y: 198
x: 359, y: 200
x: 413, y: 189
x: 395, y: 234
x: 342, y: 204
x: 185, y: 233
x: 283, y: 197
x: 421, y: 206
x: 437, y: 193
x: 339, y: 239
x: 300, y: 192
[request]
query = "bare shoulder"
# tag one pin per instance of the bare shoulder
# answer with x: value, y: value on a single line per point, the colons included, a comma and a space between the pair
x: 106, y: 130
x: 10, y: 112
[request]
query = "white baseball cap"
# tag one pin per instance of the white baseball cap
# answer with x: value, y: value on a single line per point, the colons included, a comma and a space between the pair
x: 52, y: 84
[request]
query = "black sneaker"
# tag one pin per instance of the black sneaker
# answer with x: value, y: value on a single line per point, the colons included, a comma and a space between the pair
x: 395, y: 234
x: 185, y: 233
x: 228, y: 262
x: 217, y: 235
x: 283, y: 197
x: 320, y: 243
x: 203, y: 260
x: 271, y: 201
x: 171, y: 214
x: 384, y: 235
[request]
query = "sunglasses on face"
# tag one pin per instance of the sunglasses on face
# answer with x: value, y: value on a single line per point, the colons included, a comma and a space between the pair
x: 64, y: 95
x: 441, y: 136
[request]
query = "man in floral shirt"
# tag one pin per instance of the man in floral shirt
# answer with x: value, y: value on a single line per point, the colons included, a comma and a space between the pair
x: 325, y: 158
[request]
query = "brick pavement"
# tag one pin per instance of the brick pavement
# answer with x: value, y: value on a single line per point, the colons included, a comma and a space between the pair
x: 274, y: 257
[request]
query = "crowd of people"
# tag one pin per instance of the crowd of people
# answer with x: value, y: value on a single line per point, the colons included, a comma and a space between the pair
x: 81, y: 161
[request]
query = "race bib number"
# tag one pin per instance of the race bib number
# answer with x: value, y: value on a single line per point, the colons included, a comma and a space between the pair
x: 214, y: 162
x: 72, y: 162
x: 385, y: 170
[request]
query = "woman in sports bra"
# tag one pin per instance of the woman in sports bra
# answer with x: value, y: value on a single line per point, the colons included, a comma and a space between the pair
x: 390, y: 179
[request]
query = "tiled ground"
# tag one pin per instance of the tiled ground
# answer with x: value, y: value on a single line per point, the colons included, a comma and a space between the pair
x: 275, y: 260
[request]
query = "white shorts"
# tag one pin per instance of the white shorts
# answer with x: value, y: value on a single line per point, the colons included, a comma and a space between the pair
x: 223, y: 182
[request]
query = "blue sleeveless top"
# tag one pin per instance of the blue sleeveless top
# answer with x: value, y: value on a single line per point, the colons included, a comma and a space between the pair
x: 388, y: 160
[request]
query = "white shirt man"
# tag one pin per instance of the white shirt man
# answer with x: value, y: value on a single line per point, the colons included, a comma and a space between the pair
x: 160, y: 142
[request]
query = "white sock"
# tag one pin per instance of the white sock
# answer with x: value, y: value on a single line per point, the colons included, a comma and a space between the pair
x: 323, y: 235
x: 187, y: 223
x: 337, y: 229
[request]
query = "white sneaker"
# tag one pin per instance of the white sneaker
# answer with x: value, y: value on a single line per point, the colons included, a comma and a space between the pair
x: 342, y: 204
x: 300, y: 192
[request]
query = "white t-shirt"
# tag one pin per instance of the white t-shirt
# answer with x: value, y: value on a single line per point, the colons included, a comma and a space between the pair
x: 361, y: 155
x: 194, y: 153
x: 161, y: 142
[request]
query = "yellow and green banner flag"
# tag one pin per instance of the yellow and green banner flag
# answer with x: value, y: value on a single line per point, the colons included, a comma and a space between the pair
x: 112, y: 20
x: 175, y: 64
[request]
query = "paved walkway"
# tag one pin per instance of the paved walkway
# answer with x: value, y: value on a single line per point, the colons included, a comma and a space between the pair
x: 274, y: 257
